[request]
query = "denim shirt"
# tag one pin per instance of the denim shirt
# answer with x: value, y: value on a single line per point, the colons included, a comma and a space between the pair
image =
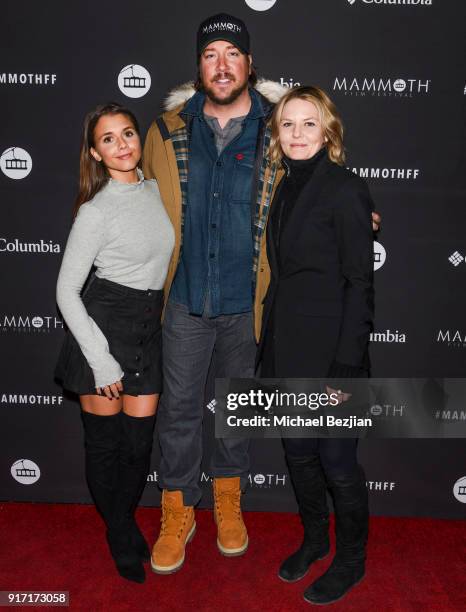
x: 214, y: 272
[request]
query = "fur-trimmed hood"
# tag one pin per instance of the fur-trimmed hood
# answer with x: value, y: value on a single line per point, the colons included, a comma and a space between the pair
x: 272, y: 90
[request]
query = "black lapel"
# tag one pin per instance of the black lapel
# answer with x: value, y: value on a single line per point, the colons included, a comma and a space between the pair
x: 306, y: 200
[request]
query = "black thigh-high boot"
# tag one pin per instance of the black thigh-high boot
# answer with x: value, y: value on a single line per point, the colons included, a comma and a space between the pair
x: 350, y: 497
x: 103, y: 436
x: 311, y: 494
x: 134, y: 463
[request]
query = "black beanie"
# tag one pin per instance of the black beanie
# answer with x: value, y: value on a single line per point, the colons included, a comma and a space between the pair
x: 223, y: 27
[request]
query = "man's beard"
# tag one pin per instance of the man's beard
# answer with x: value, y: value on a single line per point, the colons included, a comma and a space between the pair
x: 235, y: 93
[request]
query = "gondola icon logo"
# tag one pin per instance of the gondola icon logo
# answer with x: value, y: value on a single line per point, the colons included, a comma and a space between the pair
x: 459, y: 490
x: 380, y: 255
x: 134, y: 81
x: 25, y: 471
x: 260, y: 5
x: 16, y: 163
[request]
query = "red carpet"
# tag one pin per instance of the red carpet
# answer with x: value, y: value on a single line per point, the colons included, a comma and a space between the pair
x: 413, y: 564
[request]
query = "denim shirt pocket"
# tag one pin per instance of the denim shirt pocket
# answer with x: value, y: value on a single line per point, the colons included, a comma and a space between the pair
x: 243, y: 171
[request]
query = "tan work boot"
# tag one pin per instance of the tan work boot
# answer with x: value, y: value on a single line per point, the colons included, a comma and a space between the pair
x: 178, y: 528
x: 232, y: 536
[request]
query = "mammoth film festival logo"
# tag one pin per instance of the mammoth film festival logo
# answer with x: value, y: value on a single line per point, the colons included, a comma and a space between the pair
x: 381, y: 86
x: 260, y: 5
x: 134, y: 81
x: 16, y: 163
x: 25, y: 471
x: 380, y: 255
x: 29, y: 323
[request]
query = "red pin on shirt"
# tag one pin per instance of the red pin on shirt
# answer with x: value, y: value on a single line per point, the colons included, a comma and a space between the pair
x: 239, y: 156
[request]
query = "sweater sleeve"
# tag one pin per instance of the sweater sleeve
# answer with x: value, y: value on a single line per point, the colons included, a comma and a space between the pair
x: 85, y: 240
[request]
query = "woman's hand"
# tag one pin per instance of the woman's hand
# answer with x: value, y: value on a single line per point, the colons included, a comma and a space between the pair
x: 111, y: 391
x: 341, y: 395
x: 376, y: 221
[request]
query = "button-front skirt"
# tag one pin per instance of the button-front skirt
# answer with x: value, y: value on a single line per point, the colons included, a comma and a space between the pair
x: 130, y: 321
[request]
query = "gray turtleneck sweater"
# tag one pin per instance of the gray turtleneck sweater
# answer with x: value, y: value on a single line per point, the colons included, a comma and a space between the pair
x: 126, y: 233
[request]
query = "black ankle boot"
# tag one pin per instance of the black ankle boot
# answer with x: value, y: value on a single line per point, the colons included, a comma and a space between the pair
x: 135, y: 455
x: 351, y: 525
x: 311, y: 494
x: 127, y: 559
x: 103, y: 436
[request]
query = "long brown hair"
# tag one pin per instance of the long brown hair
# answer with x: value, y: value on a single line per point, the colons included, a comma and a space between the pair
x: 93, y: 175
x: 332, y: 124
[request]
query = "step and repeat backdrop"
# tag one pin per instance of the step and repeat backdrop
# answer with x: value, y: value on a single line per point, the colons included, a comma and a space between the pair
x: 396, y: 70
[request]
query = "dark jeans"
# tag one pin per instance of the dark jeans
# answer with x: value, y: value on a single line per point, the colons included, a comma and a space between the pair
x: 189, y: 342
x: 337, y: 455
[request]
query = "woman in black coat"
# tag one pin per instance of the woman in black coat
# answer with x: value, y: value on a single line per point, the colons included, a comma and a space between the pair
x: 316, y: 322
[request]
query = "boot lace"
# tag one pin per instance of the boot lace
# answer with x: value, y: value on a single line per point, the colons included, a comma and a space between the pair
x: 228, y: 505
x: 173, y: 522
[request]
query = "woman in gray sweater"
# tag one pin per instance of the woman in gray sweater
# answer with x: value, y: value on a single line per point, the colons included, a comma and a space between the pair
x: 111, y: 356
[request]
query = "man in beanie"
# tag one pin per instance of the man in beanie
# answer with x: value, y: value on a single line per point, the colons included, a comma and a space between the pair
x: 207, y: 154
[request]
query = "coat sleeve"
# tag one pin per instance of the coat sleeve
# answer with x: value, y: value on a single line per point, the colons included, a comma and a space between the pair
x: 153, y: 140
x: 355, y: 245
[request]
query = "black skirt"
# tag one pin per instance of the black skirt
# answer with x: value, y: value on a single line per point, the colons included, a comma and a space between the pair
x: 130, y: 321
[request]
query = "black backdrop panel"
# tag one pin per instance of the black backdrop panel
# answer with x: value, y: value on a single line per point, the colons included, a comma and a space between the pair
x: 396, y: 71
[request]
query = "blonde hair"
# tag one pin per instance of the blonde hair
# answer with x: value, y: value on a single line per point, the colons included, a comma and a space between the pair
x: 331, y: 122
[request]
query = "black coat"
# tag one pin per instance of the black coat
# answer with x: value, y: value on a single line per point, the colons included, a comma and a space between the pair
x: 322, y: 293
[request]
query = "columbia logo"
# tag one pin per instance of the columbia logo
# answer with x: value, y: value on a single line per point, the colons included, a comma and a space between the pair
x: 211, y: 406
x: 456, y: 258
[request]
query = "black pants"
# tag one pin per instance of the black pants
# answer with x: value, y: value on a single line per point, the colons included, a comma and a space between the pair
x: 337, y: 455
